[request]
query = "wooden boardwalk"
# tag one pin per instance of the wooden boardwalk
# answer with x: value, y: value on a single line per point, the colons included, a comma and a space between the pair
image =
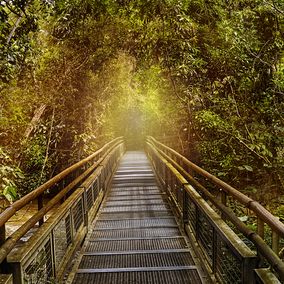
x: 135, y: 238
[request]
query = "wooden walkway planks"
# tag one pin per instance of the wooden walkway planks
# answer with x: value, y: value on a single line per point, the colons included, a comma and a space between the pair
x: 135, y: 238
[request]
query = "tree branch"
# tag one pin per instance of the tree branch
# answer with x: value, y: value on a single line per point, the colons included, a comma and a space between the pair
x: 14, y: 28
x: 47, y: 146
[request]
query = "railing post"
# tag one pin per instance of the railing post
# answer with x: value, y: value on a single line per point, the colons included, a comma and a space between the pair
x: 166, y: 180
x: 170, y: 183
x: 164, y: 174
x: 275, y: 242
x: 260, y: 232
x: 184, y: 206
x: 2, y: 234
x: 39, y: 207
x: 2, y: 241
x: 53, y: 253
x: 85, y: 208
x: 215, y: 250
x: 17, y: 273
x: 223, y: 197
x: 196, y: 223
x: 260, y: 227
x: 249, y: 264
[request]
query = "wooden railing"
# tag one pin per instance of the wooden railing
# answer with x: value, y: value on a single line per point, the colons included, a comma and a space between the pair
x: 182, y: 179
x: 83, y: 187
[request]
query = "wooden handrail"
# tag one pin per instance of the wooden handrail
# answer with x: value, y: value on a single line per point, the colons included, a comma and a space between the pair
x: 20, y: 232
x: 249, y: 203
x: 17, y: 205
x: 189, y: 183
x: 185, y: 179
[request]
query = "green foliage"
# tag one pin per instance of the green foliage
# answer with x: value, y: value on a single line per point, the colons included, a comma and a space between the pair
x: 19, y: 22
x: 35, y: 151
x: 10, y: 176
x: 207, y: 72
x: 135, y: 106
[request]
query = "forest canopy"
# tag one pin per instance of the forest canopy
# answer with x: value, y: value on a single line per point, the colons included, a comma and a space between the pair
x: 206, y: 77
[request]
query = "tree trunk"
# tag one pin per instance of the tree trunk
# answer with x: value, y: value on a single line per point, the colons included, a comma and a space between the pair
x: 37, y: 115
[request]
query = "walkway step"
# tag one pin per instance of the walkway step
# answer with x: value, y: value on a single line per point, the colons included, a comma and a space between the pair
x: 172, y: 276
x: 136, y: 260
x: 135, y: 193
x: 136, y: 208
x: 135, y: 198
x: 136, y: 233
x: 141, y: 214
x: 112, y: 245
x: 130, y: 223
x: 134, y: 202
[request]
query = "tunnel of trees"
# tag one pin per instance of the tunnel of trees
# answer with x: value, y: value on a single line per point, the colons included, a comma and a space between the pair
x: 203, y: 76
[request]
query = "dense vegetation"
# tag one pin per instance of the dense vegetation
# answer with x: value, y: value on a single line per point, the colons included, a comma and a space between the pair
x: 207, y: 74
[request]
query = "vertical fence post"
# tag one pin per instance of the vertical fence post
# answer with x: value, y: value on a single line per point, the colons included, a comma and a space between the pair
x: 196, y: 225
x: 85, y: 207
x: 17, y: 273
x: 53, y: 252
x: 2, y: 241
x: 170, y: 182
x: 166, y: 179
x: 260, y: 232
x: 2, y: 234
x: 260, y: 227
x: 40, y: 206
x: 223, y: 197
x: 249, y: 264
x: 215, y: 251
x: 275, y: 242
x: 164, y: 174
x: 184, y: 206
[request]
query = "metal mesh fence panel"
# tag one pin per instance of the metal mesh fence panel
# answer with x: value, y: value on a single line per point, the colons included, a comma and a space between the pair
x: 205, y: 234
x: 228, y: 266
x: 190, y: 212
x: 68, y: 229
x: 96, y: 188
x: 40, y: 270
x: 179, y: 191
x: 102, y: 178
x: 60, y: 241
x: 78, y: 214
x: 89, y: 197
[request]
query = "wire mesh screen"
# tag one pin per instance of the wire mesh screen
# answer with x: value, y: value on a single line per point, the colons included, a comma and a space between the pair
x: 167, y: 178
x: 190, y: 212
x: 102, y: 178
x: 89, y: 197
x: 228, y: 266
x: 163, y: 173
x: 105, y: 170
x: 78, y: 214
x: 159, y: 167
x: 205, y: 234
x: 60, y: 239
x: 112, y: 162
x: 179, y: 190
x: 40, y: 269
x: 96, y: 188
x: 68, y: 229
x: 109, y: 169
x: 172, y: 186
